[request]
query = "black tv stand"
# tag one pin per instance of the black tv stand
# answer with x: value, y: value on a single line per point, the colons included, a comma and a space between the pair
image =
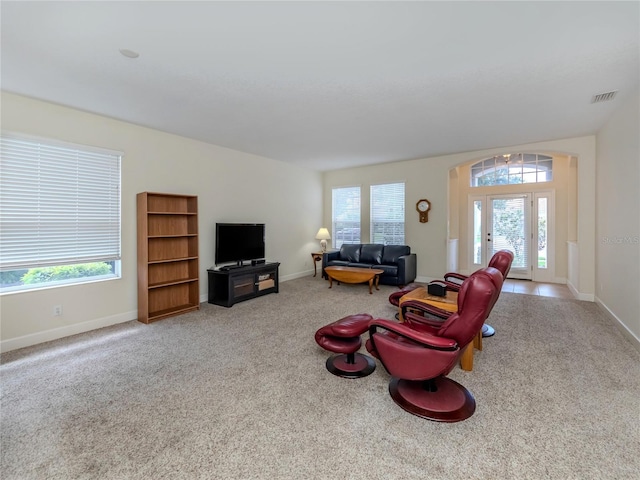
x: 239, y: 283
x: 226, y: 268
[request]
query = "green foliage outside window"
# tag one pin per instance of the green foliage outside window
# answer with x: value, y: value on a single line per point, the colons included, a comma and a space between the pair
x: 65, y: 272
x: 508, y: 223
x: 500, y: 176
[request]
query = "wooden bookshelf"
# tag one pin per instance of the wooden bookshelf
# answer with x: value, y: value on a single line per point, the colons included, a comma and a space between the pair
x: 168, y: 282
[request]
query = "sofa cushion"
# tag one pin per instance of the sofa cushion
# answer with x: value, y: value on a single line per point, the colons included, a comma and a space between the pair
x: 338, y: 263
x: 362, y: 265
x: 371, y: 253
x: 393, y: 252
x: 350, y: 253
x: 389, y: 270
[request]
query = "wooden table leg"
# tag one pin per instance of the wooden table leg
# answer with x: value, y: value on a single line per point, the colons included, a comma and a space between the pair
x: 370, y: 285
x: 330, y: 281
x: 466, y: 359
x: 477, y: 341
x: 316, y: 259
x: 377, y: 281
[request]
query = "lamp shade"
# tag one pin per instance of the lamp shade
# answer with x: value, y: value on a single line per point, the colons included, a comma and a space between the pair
x: 323, y: 234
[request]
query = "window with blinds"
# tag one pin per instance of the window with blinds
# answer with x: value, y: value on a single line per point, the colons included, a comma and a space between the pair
x: 345, y: 215
x: 387, y: 214
x: 59, y: 213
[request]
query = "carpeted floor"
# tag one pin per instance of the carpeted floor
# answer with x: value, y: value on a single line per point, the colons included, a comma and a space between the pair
x: 243, y: 393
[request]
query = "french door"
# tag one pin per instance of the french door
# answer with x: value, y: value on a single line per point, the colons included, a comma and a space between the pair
x: 522, y: 223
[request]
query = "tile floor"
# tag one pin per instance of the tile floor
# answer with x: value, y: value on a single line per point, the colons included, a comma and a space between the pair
x: 534, y: 288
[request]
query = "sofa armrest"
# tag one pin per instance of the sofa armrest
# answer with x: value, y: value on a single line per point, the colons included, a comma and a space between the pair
x: 407, y: 268
x: 326, y: 258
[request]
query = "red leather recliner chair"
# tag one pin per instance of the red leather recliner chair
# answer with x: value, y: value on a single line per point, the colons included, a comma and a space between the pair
x: 500, y: 260
x: 418, y: 356
x: 411, y: 307
x: 414, y: 311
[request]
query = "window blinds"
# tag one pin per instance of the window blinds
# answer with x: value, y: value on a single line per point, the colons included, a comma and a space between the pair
x: 59, y: 204
x: 387, y: 214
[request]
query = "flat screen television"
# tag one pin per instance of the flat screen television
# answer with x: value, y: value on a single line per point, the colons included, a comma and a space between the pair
x: 239, y: 242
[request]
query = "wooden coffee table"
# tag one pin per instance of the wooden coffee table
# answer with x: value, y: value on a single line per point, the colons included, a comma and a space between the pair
x: 354, y: 275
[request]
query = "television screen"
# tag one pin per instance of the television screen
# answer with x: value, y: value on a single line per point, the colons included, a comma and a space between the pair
x: 236, y: 242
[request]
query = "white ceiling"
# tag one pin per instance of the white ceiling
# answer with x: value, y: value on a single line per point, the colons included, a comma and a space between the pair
x: 328, y: 85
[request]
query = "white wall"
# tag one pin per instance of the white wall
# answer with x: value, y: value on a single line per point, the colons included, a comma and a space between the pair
x: 430, y: 177
x: 234, y: 186
x: 231, y: 186
x: 618, y: 216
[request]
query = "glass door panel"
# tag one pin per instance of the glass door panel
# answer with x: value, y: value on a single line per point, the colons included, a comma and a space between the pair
x: 543, y: 237
x: 542, y: 234
x: 478, y: 222
x: 509, y: 227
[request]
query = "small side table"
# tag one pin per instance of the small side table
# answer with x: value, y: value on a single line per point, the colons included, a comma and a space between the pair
x: 317, y: 257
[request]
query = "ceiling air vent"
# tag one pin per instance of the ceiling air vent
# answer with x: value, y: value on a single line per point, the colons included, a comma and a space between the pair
x: 604, y: 97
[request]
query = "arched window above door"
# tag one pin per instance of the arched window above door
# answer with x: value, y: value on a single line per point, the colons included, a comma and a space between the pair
x: 513, y: 168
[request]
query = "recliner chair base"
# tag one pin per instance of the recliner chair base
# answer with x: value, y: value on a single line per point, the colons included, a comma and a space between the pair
x: 351, y: 365
x: 488, y: 331
x: 450, y: 402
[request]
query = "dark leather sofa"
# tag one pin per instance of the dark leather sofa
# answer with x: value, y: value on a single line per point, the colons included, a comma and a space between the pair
x: 397, y: 261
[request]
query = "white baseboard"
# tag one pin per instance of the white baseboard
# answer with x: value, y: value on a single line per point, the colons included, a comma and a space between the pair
x: 635, y: 341
x: 425, y: 279
x: 587, y: 297
x: 61, y: 332
x: 293, y: 276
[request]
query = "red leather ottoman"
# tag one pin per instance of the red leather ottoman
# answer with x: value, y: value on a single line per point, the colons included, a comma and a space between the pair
x: 343, y: 337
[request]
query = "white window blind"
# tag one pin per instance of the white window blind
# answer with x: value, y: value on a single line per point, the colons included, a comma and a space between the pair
x: 59, y: 204
x: 345, y: 215
x: 387, y: 214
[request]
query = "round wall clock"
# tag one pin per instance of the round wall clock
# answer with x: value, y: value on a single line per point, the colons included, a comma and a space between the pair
x: 423, y: 206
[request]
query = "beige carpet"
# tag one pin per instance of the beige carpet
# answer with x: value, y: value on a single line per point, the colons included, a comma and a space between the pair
x: 243, y: 393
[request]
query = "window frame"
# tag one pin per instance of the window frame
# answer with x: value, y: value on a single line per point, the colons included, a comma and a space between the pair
x: 65, y: 197
x: 339, y: 225
x: 512, y: 166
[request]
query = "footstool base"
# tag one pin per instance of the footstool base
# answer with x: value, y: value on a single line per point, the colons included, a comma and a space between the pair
x: 343, y: 337
x: 359, y: 366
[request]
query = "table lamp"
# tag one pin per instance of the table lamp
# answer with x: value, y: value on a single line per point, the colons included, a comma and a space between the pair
x: 323, y: 235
